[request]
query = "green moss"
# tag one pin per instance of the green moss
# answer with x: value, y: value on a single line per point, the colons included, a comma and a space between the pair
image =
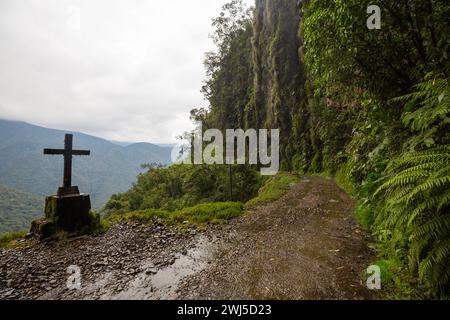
x: 274, y: 188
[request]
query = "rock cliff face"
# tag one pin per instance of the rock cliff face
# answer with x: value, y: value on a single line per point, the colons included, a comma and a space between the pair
x: 279, y: 74
x: 259, y: 80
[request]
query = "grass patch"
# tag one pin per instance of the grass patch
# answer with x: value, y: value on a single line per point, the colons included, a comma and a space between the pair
x: 202, y: 214
x: 7, y: 239
x: 343, y: 181
x: 219, y: 212
x: 396, y: 281
x: 388, y: 269
x: 364, y: 214
x: 323, y: 174
x: 274, y: 188
x: 98, y: 225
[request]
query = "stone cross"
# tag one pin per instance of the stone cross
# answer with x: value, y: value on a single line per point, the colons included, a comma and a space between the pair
x: 67, y: 152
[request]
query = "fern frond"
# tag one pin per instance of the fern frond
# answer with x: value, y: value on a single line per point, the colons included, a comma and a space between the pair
x: 438, y: 255
x: 436, y: 227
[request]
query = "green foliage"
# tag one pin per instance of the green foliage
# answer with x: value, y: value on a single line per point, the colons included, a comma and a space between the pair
x: 356, y: 75
x: 343, y: 179
x: 210, y: 212
x: 7, y: 238
x: 214, y: 213
x: 98, y: 225
x: 345, y: 57
x: 394, y: 276
x: 388, y: 269
x: 416, y: 185
x: 428, y: 111
x: 274, y: 188
x: 228, y: 86
x: 417, y: 190
x: 181, y: 186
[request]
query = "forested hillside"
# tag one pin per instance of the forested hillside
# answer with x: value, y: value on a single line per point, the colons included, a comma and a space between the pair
x: 368, y: 107
x: 18, y: 209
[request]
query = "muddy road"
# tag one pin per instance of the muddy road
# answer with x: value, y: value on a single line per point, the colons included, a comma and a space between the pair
x: 306, y: 245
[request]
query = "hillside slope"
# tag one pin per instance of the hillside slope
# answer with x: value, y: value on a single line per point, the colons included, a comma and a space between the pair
x: 18, y: 209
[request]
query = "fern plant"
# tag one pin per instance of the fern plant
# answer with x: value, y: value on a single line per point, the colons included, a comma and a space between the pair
x: 417, y: 203
x: 428, y: 111
x: 416, y: 186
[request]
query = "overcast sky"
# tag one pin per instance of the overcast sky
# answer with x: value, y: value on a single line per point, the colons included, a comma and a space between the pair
x: 127, y: 70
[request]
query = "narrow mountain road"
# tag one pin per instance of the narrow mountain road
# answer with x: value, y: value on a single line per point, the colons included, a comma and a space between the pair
x: 306, y: 245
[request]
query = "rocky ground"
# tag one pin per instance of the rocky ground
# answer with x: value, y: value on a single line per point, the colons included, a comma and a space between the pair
x: 305, y: 245
x: 108, y: 263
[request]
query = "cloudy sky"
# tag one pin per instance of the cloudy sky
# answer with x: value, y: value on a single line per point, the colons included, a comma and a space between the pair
x: 127, y: 70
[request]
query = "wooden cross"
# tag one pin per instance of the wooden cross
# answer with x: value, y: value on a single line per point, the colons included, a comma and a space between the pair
x: 67, y: 152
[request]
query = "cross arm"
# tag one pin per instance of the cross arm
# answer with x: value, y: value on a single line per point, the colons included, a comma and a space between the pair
x: 81, y: 152
x: 54, y: 151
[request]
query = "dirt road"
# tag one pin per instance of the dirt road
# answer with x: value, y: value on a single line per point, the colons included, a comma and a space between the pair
x: 305, y: 245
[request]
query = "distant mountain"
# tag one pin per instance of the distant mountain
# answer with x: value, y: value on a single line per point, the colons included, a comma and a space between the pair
x: 110, y: 169
x: 124, y: 143
x: 18, y: 209
x: 166, y: 145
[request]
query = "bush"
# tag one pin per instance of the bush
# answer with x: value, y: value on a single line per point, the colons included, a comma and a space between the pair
x: 417, y: 204
x: 180, y: 186
x: 415, y: 189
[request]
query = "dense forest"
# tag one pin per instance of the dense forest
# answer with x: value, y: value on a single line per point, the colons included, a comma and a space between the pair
x: 368, y: 107
x: 17, y: 209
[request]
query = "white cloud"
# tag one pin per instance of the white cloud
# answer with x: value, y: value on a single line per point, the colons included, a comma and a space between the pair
x: 125, y: 70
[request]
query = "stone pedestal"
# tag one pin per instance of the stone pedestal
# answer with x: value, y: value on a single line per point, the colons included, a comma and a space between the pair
x: 68, y: 211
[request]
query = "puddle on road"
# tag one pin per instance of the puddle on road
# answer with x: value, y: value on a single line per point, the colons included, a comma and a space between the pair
x: 164, y: 283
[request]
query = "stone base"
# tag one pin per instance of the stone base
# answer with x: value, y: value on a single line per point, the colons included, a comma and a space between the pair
x: 64, y: 191
x: 44, y: 228
x: 67, y: 213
